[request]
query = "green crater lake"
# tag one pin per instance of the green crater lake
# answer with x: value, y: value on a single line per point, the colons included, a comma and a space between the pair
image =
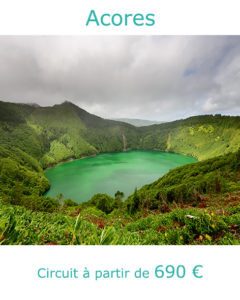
x: 108, y: 172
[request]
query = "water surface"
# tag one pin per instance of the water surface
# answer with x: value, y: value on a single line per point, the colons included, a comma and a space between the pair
x: 108, y: 172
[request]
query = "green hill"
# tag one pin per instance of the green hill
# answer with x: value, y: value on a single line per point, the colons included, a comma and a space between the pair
x: 33, y: 138
x: 193, y: 204
x: 201, y: 137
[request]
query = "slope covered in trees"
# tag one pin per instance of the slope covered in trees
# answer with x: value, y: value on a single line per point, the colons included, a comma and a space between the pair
x: 201, y: 137
x: 193, y: 204
x: 33, y: 138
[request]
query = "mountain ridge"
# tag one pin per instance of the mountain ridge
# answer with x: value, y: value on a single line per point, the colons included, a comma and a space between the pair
x: 194, y: 204
x: 33, y: 138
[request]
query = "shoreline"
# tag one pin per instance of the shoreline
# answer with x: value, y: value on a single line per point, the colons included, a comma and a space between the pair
x: 68, y: 160
x: 93, y: 155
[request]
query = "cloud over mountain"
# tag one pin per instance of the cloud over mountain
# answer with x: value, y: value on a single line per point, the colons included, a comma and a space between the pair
x: 151, y: 77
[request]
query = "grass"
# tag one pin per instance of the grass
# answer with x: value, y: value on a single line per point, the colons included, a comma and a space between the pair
x: 216, y: 220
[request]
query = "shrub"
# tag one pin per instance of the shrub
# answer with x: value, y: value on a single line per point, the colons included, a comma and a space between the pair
x: 103, y: 202
x: 69, y: 203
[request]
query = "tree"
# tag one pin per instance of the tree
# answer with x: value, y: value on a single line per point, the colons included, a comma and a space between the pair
x: 59, y: 197
x: 118, y: 199
x: 103, y: 202
x: 133, y: 205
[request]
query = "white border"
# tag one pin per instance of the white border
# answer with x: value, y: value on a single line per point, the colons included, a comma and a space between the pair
x: 173, y: 17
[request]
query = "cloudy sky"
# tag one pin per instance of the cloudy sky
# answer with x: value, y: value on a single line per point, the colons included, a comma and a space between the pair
x: 150, y: 77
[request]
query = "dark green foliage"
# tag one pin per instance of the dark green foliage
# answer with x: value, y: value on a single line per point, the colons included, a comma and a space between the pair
x: 12, y: 113
x: 134, y: 203
x: 47, y: 204
x: 201, y: 137
x: 183, y: 184
x: 21, y: 226
x: 16, y: 179
x: 103, y: 202
x: 118, y: 199
x: 69, y: 203
x: 35, y: 203
x: 33, y: 138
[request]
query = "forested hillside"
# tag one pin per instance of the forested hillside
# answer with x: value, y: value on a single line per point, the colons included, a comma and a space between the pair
x: 33, y: 138
x: 201, y: 137
x: 194, y: 204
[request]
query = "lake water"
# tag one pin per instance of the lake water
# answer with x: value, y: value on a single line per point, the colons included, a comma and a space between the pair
x: 108, y: 172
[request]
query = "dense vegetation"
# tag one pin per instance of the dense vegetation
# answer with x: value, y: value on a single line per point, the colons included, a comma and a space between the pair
x: 201, y: 137
x: 34, y: 138
x: 193, y: 204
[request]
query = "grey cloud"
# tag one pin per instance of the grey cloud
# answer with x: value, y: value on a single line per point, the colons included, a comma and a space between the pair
x: 152, y: 77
